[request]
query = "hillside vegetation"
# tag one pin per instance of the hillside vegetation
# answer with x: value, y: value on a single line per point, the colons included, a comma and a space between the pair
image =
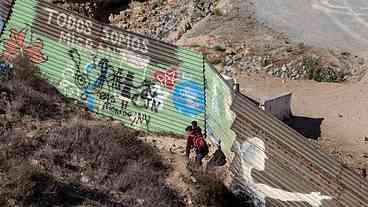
x: 54, y: 153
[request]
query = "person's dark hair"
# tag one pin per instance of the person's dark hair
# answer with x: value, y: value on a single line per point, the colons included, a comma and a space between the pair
x: 188, y: 128
x: 194, y: 123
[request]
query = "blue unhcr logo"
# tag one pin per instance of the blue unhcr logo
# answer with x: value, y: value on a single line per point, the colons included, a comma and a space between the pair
x: 188, y: 98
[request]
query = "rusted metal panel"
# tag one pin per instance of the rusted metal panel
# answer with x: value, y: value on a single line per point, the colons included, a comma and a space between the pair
x: 281, y: 168
x: 144, y: 83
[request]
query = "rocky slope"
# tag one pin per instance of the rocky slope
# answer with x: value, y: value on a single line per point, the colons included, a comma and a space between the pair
x: 228, y: 34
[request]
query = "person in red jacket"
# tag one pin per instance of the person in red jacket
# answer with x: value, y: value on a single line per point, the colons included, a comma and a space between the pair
x: 190, y: 140
x: 196, y: 140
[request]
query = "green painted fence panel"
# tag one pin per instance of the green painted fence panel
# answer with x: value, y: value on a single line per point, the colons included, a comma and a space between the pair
x: 145, y: 83
x: 219, y: 115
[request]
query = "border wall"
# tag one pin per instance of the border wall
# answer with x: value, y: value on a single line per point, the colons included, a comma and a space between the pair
x: 144, y: 83
x: 154, y: 86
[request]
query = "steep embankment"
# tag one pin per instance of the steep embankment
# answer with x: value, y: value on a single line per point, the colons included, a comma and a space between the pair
x: 53, y: 152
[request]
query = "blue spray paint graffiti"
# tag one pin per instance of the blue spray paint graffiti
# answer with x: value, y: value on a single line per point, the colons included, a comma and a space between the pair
x: 102, y: 66
x: 188, y: 98
x: 85, y: 79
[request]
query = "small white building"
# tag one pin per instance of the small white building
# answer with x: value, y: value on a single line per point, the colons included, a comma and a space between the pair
x: 279, y: 106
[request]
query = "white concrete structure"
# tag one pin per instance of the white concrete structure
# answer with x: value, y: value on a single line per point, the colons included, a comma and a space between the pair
x: 279, y: 106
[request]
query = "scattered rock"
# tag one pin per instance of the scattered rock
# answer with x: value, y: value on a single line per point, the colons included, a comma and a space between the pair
x: 361, y: 61
x: 194, y: 180
x: 31, y: 134
x: 346, y: 53
x: 172, y: 3
x: 115, y: 123
x: 140, y: 201
x: 84, y: 179
x: 34, y: 162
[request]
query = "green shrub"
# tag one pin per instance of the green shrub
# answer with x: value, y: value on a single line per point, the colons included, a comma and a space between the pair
x: 311, y: 65
x: 220, y: 48
x: 318, y: 73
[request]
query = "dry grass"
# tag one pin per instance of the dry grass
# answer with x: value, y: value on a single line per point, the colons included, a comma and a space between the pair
x: 211, y: 191
x: 22, y: 93
x: 75, y: 163
x: 79, y: 162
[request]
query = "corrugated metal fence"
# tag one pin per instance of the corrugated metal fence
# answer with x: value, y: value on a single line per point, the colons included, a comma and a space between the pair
x: 155, y: 86
x: 144, y: 83
x: 5, y: 6
x: 279, y: 166
x: 218, y: 102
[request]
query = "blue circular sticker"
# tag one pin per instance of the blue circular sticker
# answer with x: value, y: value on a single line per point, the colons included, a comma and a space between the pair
x: 188, y: 98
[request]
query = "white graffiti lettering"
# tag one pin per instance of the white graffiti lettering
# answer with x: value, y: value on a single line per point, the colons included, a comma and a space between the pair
x: 70, y: 22
x: 72, y: 40
x: 125, y: 40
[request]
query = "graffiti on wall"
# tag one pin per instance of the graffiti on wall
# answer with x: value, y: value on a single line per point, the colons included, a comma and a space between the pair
x: 115, y: 89
x: 252, y: 153
x: 72, y: 26
x: 16, y: 44
x: 188, y: 98
x: 167, y: 78
x: 148, y: 96
x: 89, y: 84
x: 77, y: 31
x: 113, y: 72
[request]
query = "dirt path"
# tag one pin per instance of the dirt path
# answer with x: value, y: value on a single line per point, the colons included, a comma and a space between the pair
x: 172, y: 151
x: 342, y: 109
x: 183, y: 178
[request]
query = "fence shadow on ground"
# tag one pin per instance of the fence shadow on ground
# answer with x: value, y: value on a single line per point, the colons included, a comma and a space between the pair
x: 308, y: 127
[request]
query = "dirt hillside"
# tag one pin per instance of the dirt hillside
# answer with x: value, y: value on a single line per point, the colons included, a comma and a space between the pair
x: 237, y: 37
x: 54, y: 152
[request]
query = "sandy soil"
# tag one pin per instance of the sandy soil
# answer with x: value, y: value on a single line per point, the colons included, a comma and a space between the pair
x: 337, y: 24
x: 182, y: 179
x: 340, y: 109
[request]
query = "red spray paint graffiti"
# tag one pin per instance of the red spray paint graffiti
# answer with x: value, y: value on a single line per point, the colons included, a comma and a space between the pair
x: 167, y: 78
x: 15, y: 45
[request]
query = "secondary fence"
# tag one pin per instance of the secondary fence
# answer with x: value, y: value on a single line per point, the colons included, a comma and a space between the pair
x: 276, y: 164
x: 154, y: 86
